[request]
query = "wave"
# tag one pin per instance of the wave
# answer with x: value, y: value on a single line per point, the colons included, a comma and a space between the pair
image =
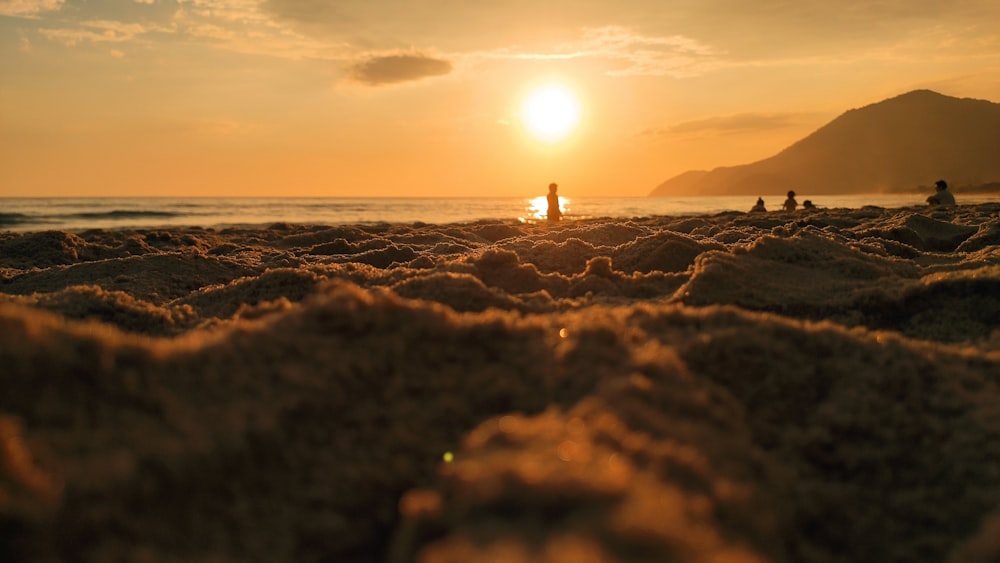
x: 42, y: 219
x: 25, y: 220
x: 15, y: 219
x: 122, y: 214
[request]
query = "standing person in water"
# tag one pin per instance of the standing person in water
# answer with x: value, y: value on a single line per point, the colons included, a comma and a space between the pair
x: 943, y: 196
x: 553, y: 213
x: 790, y: 203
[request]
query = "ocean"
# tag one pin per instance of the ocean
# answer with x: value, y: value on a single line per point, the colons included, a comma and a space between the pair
x: 79, y: 214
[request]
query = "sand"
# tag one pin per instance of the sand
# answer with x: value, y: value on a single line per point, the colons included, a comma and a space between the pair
x: 787, y: 387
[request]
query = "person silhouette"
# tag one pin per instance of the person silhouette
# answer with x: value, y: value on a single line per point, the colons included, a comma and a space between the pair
x: 790, y: 203
x: 553, y: 213
x: 942, y: 196
x: 808, y: 204
x: 759, y: 207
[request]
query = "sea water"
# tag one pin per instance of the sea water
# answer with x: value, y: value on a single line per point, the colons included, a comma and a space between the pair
x: 77, y: 214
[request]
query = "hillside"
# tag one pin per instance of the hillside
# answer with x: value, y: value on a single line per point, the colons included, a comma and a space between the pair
x: 894, y: 145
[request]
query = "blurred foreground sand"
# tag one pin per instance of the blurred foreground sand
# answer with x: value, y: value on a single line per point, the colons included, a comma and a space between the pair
x: 788, y: 387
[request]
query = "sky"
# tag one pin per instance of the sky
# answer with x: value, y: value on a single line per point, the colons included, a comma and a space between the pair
x: 362, y: 98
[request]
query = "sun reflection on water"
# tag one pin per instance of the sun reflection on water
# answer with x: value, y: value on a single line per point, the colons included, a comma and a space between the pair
x: 537, y: 209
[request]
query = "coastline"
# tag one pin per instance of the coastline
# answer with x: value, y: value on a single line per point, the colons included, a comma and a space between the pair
x: 78, y: 215
x: 783, y: 387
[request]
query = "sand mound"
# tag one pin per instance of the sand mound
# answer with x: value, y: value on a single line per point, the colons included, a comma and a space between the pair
x: 726, y: 388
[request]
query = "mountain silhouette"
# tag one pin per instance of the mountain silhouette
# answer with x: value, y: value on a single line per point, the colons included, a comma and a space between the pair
x: 895, y: 145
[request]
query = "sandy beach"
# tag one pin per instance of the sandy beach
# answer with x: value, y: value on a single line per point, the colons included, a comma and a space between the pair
x: 802, y: 387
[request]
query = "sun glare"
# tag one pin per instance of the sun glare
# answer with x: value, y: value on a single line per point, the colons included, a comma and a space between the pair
x: 538, y: 209
x: 551, y: 113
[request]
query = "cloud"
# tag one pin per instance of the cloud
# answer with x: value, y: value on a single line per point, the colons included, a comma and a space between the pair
x: 211, y: 31
x: 644, y: 55
x: 768, y: 30
x: 466, y: 31
x: 380, y: 70
x: 23, y: 43
x: 305, y: 10
x: 737, y: 122
x: 241, y: 26
x: 627, y: 52
x: 243, y: 11
x: 627, y: 38
x: 456, y: 27
x: 96, y: 31
x: 29, y: 8
x: 733, y: 123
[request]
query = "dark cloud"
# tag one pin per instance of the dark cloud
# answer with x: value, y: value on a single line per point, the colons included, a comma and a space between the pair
x: 392, y: 69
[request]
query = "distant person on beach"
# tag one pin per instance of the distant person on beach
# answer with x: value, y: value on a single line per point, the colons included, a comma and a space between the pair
x: 553, y: 213
x: 943, y: 196
x: 759, y: 207
x: 808, y: 204
x: 790, y: 203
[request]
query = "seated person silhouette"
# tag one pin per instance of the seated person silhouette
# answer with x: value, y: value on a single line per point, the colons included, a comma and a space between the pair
x: 759, y: 207
x: 943, y: 196
x: 790, y: 203
x: 808, y: 204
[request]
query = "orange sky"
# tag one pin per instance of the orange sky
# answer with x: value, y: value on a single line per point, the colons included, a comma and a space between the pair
x: 411, y: 98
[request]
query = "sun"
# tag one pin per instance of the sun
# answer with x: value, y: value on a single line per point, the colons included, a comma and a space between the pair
x: 551, y: 113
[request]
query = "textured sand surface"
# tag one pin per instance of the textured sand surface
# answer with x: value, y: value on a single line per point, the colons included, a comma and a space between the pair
x: 801, y: 387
